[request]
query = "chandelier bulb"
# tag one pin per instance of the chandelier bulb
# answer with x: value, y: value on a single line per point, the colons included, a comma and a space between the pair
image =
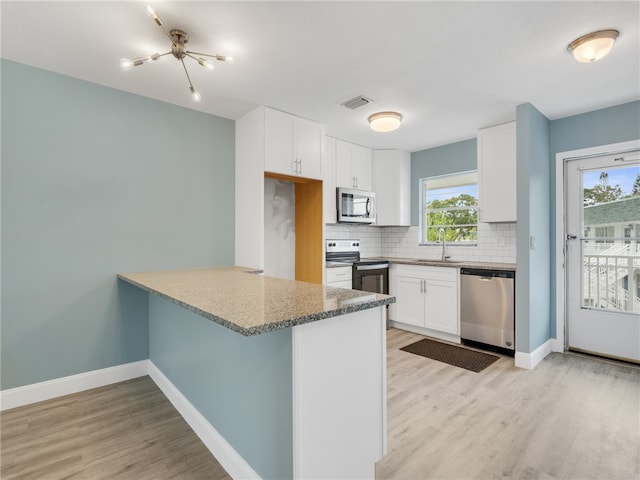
x: 194, y: 94
x: 126, y: 64
x: 224, y: 58
x: 152, y: 13
x: 206, y: 64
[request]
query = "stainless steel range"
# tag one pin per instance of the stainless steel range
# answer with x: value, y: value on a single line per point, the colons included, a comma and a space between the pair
x: 370, y: 275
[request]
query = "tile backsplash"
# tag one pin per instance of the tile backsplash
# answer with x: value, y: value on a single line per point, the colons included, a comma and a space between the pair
x: 496, y: 242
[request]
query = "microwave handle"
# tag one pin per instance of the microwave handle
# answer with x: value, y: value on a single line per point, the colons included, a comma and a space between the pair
x: 368, y: 206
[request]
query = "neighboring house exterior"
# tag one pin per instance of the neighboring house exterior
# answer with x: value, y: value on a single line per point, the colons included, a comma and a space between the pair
x: 611, y: 262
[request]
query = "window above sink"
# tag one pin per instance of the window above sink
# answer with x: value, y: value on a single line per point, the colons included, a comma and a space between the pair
x: 449, y: 202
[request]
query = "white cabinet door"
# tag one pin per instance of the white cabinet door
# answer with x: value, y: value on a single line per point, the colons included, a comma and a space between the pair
x: 409, y: 306
x: 344, y: 176
x: 309, y: 140
x: 361, y: 167
x: 441, y: 306
x: 392, y: 184
x: 279, y: 145
x: 497, y: 173
x: 293, y: 146
x: 329, y: 182
x: 353, y: 166
x: 426, y: 297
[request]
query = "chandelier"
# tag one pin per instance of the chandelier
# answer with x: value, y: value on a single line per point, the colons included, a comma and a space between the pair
x: 179, y: 40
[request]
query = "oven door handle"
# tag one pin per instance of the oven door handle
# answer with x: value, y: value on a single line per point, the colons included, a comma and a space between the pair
x: 379, y: 266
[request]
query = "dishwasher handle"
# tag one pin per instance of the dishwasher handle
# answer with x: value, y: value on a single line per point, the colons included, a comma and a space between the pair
x: 480, y: 272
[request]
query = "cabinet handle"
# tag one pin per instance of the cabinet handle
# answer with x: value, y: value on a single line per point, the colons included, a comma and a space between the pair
x: 421, y: 286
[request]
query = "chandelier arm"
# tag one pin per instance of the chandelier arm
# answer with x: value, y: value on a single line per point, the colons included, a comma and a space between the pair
x: 186, y: 73
x: 205, y: 54
x: 161, y: 25
x: 188, y: 54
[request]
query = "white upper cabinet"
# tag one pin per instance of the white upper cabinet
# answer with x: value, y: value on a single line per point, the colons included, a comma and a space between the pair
x: 392, y: 184
x: 329, y: 183
x: 293, y: 146
x: 497, y: 173
x: 353, y: 166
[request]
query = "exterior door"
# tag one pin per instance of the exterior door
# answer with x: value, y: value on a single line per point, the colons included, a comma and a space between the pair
x: 602, y: 226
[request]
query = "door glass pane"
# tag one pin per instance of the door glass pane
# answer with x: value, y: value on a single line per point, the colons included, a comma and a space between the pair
x: 611, y: 242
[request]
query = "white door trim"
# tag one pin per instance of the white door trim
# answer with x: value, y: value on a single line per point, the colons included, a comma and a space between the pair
x: 559, y: 344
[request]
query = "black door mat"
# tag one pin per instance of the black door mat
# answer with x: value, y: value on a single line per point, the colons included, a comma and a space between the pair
x: 452, y: 354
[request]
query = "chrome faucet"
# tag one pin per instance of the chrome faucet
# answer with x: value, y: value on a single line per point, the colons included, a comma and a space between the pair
x: 445, y: 257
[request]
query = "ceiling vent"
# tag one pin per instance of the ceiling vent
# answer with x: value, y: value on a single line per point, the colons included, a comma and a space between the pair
x: 357, y: 102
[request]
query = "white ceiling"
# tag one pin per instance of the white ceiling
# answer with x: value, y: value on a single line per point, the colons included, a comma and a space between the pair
x: 448, y: 67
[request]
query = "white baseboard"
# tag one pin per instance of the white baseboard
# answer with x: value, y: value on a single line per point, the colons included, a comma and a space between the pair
x: 37, y: 392
x: 530, y: 360
x: 231, y: 460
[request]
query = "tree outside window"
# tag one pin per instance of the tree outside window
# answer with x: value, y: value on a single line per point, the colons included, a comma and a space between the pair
x: 450, y: 202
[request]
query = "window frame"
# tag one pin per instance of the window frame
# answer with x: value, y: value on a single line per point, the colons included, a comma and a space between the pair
x: 422, y: 182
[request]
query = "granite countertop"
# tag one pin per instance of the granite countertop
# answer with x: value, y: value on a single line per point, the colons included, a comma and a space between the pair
x: 434, y: 263
x: 452, y: 263
x: 249, y: 303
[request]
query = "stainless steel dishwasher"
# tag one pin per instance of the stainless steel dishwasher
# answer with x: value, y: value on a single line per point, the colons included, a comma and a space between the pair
x: 487, y: 313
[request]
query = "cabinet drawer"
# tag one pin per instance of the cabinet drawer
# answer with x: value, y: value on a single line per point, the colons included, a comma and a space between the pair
x: 339, y: 274
x: 342, y: 284
x: 435, y: 273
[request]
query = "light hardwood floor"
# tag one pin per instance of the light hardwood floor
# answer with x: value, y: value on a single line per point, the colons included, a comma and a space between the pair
x: 570, y: 418
x: 128, y: 430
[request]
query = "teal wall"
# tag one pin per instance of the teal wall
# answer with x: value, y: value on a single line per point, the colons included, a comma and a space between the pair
x: 452, y: 158
x: 96, y: 181
x: 242, y: 385
x: 620, y: 123
x: 533, y: 321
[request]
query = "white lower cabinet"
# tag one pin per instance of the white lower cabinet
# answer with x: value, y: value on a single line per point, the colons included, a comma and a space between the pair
x: 426, y: 298
x: 338, y: 277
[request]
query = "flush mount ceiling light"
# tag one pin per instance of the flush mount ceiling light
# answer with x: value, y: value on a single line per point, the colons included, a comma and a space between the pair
x: 593, y: 46
x: 385, y: 121
x: 179, y: 40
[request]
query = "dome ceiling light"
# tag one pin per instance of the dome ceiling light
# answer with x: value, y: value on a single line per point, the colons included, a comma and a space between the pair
x: 179, y: 40
x: 385, y: 121
x: 593, y: 46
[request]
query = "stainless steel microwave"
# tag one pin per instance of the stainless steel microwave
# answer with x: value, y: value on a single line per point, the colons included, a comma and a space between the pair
x: 356, y: 206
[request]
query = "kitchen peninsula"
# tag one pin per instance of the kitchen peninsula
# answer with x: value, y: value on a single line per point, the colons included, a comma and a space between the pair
x: 291, y: 374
